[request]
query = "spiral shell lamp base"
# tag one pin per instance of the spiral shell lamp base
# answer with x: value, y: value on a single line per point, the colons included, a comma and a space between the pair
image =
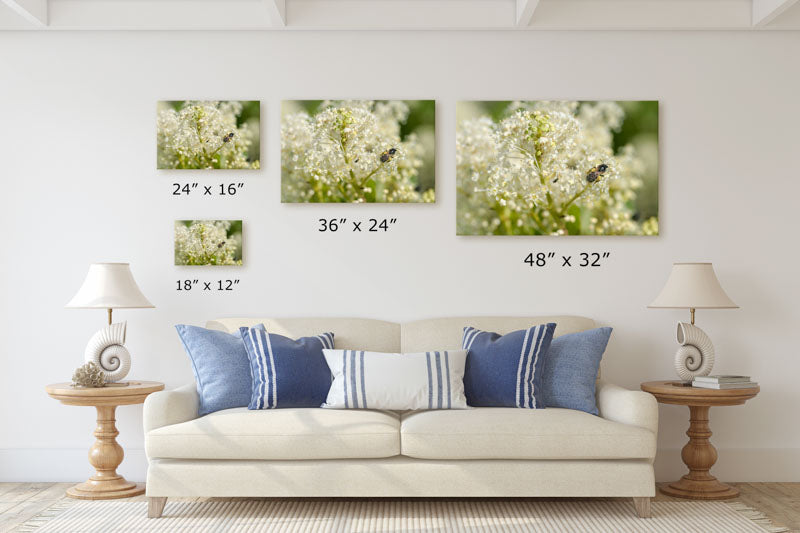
x: 695, y: 357
x: 106, y: 349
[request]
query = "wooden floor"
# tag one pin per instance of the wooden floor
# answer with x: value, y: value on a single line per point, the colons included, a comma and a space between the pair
x: 21, y: 501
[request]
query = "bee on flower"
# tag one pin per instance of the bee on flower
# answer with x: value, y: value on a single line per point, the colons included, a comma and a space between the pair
x: 557, y: 168
x: 357, y: 151
x: 208, y: 242
x: 208, y: 135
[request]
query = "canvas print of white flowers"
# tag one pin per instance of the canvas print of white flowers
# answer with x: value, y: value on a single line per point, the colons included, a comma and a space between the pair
x: 557, y: 168
x: 208, y: 242
x: 358, y: 151
x: 208, y: 134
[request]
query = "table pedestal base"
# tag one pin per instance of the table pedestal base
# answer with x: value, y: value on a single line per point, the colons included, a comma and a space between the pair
x: 709, y: 489
x: 105, y: 456
x: 105, y: 490
x: 699, y: 455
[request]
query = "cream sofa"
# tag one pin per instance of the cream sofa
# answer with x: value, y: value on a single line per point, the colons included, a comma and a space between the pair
x: 480, y: 452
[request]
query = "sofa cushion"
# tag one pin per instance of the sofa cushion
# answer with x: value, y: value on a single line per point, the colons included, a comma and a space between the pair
x: 447, y: 333
x: 280, y: 434
x: 510, y: 433
x: 351, y: 333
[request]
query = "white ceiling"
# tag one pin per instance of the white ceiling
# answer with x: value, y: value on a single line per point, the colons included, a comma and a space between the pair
x: 583, y: 15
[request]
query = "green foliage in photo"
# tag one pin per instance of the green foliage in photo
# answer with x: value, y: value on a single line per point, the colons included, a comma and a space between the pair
x: 358, y: 151
x: 557, y: 168
x: 208, y: 242
x: 208, y: 134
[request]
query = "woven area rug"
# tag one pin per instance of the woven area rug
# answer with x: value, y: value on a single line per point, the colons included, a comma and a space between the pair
x: 399, y: 515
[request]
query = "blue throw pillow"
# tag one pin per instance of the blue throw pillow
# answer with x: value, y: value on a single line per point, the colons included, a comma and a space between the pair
x: 506, y: 371
x: 220, y: 365
x: 571, y: 369
x: 286, y: 372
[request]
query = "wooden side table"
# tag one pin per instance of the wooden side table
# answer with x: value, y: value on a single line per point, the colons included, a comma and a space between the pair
x: 698, y: 454
x: 106, y: 454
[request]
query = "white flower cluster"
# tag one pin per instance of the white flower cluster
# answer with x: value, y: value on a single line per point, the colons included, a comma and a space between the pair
x: 547, y: 168
x: 204, y: 135
x: 351, y: 151
x: 206, y: 242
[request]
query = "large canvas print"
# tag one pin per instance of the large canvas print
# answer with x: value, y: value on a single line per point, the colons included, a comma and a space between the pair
x: 208, y: 134
x: 557, y: 168
x: 208, y: 242
x: 358, y: 151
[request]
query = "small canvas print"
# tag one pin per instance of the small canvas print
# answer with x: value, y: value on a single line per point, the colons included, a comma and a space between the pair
x: 557, y: 168
x: 219, y: 134
x: 358, y: 151
x: 208, y: 242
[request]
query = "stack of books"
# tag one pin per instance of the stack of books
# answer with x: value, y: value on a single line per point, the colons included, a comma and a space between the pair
x: 723, y: 382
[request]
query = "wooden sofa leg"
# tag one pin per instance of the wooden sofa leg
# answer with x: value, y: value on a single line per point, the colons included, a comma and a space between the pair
x: 155, y: 506
x: 642, y: 506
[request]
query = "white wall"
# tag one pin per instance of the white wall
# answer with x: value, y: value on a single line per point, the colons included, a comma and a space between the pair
x: 77, y: 161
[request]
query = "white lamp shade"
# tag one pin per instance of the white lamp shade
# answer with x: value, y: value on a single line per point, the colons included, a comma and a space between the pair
x: 693, y: 286
x: 109, y: 286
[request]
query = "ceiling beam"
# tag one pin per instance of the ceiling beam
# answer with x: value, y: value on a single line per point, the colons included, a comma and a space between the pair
x: 765, y: 11
x: 515, y: 15
x: 400, y: 14
x: 616, y: 15
x: 159, y: 15
x: 277, y: 9
x: 34, y: 11
x: 525, y: 9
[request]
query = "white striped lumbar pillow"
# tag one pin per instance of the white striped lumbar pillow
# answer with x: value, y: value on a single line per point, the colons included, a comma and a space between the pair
x: 396, y: 381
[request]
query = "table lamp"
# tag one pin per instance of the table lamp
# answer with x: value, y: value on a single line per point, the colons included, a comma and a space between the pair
x: 693, y: 286
x: 109, y: 286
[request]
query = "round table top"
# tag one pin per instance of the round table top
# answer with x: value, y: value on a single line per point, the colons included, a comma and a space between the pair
x: 114, y: 394
x: 674, y: 392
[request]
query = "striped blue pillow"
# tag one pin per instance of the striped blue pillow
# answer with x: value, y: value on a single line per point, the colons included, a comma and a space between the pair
x: 286, y: 372
x: 396, y: 381
x: 506, y: 370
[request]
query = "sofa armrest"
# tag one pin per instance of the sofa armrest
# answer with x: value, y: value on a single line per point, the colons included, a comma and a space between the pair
x: 169, y: 407
x: 632, y: 407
